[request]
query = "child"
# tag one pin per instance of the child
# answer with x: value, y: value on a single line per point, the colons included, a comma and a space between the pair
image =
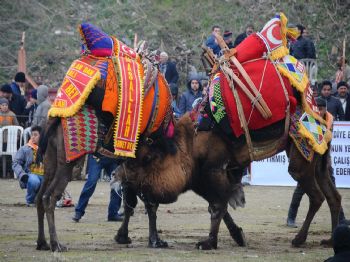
x: 7, y: 117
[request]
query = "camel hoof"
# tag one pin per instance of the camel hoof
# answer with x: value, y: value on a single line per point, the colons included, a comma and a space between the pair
x: 157, y: 244
x: 57, y: 247
x: 207, y: 245
x: 42, y: 245
x: 327, y: 242
x: 298, y: 241
x: 240, y: 238
x: 122, y: 239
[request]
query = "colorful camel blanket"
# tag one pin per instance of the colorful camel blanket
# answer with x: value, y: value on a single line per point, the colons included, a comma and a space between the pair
x: 80, y: 133
x: 128, y: 122
x: 80, y: 79
x: 265, y: 58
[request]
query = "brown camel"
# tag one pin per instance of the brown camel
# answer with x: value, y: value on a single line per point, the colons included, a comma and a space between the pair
x: 211, y: 165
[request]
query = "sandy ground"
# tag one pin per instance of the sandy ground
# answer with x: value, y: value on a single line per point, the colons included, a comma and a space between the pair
x: 182, y: 224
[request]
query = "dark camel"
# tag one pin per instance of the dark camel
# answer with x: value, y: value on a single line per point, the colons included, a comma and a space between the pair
x: 211, y: 166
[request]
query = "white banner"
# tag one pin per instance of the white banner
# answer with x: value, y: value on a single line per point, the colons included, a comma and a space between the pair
x: 273, y: 171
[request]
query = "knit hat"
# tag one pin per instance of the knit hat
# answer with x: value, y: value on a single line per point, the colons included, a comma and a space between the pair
x: 3, y: 100
x: 227, y: 34
x: 33, y: 93
x: 320, y: 102
x: 6, y: 88
x: 342, y: 83
x: 341, y: 239
x: 20, y: 77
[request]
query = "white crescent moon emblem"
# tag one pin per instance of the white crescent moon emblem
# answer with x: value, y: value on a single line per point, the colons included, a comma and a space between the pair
x: 127, y: 50
x: 270, y: 37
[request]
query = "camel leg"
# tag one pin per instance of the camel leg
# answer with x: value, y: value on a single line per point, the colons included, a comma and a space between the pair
x: 332, y: 196
x: 130, y: 202
x: 236, y: 232
x: 53, y: 193
x: 304, y: 173
x: 41, y: 241
x: 154, y: 240
x: 217, y: 212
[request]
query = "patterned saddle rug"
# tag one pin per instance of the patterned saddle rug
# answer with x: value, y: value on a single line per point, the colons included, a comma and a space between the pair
x: 264, y: 56
x: 120, y: 74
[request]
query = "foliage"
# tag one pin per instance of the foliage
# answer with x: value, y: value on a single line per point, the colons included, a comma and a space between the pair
x: 180, y: 27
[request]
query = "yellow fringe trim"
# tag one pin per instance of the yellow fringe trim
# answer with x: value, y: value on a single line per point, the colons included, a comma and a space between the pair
x: 73, y: 109
x: 297, y: 144
x: 319, y: 148
x: 300, y: 86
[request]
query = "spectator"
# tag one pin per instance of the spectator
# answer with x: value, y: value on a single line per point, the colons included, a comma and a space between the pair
x: 299, y: 192
x: 31, y: 107
x: 41, y: 113
x: 174, y: 104
x: 248, y: 31
x: 211, y: 40
x: 17, y: 103
x: 30, y: 174
x: 168, y: 69
x: 344, y: 98
x: 333, y: 104
x: 342, y: 74
x: 194, y: 91
x: 303, y: 47
x: 228, y: 38
x: 95, y: 165
x: 18, y: 85
x: 341, y: 244
x: 7, y: 117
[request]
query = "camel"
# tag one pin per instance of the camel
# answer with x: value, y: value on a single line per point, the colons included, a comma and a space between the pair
x: 210, y: 165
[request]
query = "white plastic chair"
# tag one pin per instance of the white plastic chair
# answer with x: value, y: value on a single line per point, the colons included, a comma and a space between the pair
x: 14, y: 141
x: 26, y: 135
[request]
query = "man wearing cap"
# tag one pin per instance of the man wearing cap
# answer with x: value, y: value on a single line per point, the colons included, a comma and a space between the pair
x: 344, y: 97
x: 228, y: 38
x: 17, y: 103
x: 18, y: 84
x: 168, y: 69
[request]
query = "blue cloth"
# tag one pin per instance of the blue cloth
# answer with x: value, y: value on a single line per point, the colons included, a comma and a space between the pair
x: 15, y: 88
x: 213, y: 45
x: 33, y: 185
x: 94, y: 169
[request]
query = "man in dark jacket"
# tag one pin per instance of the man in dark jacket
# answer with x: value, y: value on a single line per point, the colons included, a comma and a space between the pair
x: 18, y: 84
x: 303, y: 47
x: 248, y: 31
x: 344, y: 98
x: 194, y: 91
x: 333, y: 104
x: 168, y: 69
x: 228, y: 38
x: 17, y: 103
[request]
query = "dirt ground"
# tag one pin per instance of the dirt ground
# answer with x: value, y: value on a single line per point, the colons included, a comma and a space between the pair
x: 182, y: 224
